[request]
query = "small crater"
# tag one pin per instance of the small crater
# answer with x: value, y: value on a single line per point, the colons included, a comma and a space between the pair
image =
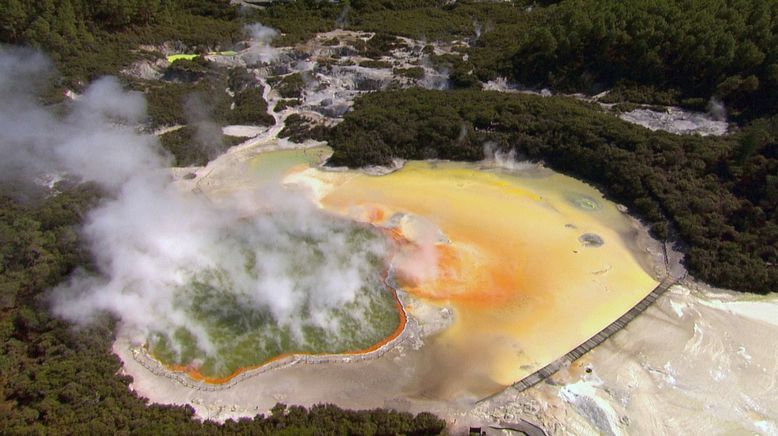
x: 591, y: 240
x: 584, y: 202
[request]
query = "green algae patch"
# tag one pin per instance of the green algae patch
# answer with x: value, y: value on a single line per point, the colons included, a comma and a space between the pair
x: 274, y: 166
x: 190, y: 56
x: 233, y: 326
x: 178, y: 57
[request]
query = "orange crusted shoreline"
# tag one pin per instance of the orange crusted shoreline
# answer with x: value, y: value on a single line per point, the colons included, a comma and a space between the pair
x: 195, y: 374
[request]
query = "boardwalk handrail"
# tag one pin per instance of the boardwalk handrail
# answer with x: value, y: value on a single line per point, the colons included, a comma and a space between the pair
x: 550, y: 369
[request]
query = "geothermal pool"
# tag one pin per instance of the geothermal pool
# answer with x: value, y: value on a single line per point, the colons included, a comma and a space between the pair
x: 532, y: 263
x: 528, y: 262
x: 288, y: 279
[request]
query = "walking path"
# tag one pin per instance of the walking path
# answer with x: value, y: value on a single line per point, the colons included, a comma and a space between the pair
x: 577, y: 352
x: 523, y: 427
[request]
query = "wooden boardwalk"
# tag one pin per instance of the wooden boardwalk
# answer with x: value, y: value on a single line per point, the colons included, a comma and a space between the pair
x: 549, y: 370
x: 523, y: 427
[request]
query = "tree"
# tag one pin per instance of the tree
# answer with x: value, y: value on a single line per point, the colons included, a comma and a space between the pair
x: 39, y: 32
x: 13, y: 20
x: 66, y: 24
x: 147, y: 11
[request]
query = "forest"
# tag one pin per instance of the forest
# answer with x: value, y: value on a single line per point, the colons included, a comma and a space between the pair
x: 724, y: 49
x: 666, y: 52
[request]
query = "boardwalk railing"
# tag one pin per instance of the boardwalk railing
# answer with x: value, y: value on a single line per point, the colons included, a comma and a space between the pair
x: 550, y: 369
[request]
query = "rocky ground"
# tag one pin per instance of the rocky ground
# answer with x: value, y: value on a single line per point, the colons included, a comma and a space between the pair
x: 677, y: 120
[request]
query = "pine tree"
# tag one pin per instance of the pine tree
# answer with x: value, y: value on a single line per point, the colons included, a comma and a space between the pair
x: 147, y: 11
x: 13, y: 20
x: 39, y: 32
x: 66, y: 23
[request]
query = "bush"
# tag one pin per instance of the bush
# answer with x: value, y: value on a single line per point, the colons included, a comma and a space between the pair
x: 375, y: 64
x: 185, y: 70
x: 299, y: 128
x: 286, y: 103
x: 291, y: 86
x: 411, y: 73
x: 250, y: 108
x: 190, y: 146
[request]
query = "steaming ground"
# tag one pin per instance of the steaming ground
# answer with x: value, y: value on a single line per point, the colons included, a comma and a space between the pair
x: 677, y: 120
x: 280, y: 288
x: 572, y: 404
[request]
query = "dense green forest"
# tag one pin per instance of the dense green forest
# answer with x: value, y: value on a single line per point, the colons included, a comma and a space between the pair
x: 719, y: 194
x: 55, y: 379
x: 699, y: 49
x: 666, y: 52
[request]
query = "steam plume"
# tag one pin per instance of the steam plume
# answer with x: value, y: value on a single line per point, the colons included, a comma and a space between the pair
x: 717, y: 110
x: 164, y: 255
x: 208, y: 134
x: 260, y: 50
x: 342, y: 20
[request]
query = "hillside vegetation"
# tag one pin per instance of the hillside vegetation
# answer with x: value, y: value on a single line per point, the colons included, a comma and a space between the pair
x: 698, y: 49
x: 87, y: 39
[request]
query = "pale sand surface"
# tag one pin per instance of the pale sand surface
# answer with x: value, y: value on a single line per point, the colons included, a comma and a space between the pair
x: 693, y: 363
x: 243, y: 131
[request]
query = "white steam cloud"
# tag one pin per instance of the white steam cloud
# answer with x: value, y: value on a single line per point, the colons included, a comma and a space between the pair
x: 169, y: 260
x: 342, y: 20
x: 92, y: 141
x: 716, y: 109
x: 207, y: 133
x: 509, y: 160
x: 260, y: 50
